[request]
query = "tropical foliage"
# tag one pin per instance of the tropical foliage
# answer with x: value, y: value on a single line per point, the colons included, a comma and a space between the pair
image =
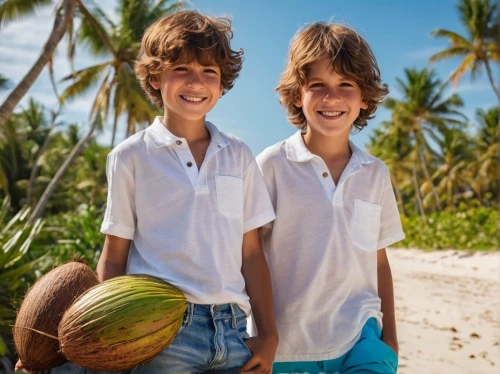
x: 53, y: 189
x: 479, y: 47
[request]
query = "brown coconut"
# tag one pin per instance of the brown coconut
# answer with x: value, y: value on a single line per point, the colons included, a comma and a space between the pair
x: 42, y: 310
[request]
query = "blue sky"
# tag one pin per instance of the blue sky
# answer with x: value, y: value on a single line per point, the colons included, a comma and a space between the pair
x: 397, y: 30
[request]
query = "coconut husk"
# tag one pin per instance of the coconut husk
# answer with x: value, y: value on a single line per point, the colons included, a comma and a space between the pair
x: 35, y: 329
x: 122, y: 322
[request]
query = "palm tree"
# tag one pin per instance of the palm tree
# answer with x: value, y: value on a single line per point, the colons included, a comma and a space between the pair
x: 455, y: 159
x: 20, y: 140
x: 480, y: 19
x: 390, y: 144
x: 11, y: 9
x: 121, y: 42
x: 486, y: 150
x: 422, y: 113
x: 479, y: 46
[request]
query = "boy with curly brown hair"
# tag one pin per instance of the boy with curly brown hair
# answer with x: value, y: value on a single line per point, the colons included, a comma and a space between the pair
x: 335, y: 213
x: 185, y: 202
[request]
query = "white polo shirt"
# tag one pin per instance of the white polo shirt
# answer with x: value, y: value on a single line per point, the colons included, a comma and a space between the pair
x: 186, y: 225
x: 322, y: 251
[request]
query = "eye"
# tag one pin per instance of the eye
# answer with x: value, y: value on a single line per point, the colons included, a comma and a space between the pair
x: 346, y: 84
x: 211, y: 71
x: 179, y: 68
x: 313, y: 85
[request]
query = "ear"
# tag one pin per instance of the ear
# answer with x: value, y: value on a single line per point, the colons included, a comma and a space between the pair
x: 221, y: 91
x: 364, y: 105
x: 155, y: 82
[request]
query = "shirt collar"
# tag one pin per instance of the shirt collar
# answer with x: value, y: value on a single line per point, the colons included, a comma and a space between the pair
x: 162, y: 137
x: 297, y: 151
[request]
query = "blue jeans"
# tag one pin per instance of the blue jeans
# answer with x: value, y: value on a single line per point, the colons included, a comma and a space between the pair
x: 211, y: 339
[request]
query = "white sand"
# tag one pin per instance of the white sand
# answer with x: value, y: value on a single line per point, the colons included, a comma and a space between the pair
x: 447, y: 308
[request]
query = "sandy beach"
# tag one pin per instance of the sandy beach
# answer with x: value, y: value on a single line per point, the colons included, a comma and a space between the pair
x: 447, y: 307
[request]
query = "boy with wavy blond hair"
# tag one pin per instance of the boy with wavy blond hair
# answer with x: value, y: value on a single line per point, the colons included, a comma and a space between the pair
x: 185, y: 202
x: 335, y: 213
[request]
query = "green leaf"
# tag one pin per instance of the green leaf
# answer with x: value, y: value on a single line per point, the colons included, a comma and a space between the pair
x: 11, y: 10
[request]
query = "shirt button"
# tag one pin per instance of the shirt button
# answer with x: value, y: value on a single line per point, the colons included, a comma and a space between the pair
x: 219, y: 146
x: 178, y: 142
x: 325, y: 174
x: 189, y: 164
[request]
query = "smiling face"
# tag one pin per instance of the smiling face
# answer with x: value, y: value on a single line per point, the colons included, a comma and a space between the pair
x: 329, y: 101
x: 188, y: 90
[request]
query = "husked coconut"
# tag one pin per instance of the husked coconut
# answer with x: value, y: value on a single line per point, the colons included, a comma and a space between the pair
x: 35, y: 329
x: 122, y: 322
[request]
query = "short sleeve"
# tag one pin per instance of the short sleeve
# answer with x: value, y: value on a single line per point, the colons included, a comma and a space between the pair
x: 257, y: 207
x: 391, y: 230
x: 270, y: 185
x: 120, y: 216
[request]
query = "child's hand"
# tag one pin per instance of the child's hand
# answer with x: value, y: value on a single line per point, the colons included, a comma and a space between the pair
x: 263, y: 349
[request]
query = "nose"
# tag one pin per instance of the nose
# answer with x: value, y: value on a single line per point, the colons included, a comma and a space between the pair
x: 332, y: 96
x: 194, y: 80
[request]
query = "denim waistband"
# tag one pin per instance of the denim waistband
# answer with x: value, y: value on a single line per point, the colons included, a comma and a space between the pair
x: 214, y: 311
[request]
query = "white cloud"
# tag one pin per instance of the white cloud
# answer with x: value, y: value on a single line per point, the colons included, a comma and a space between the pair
x: 470, y: 87
x: 422, y: 54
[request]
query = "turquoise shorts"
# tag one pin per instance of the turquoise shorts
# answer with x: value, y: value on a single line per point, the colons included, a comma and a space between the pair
x: 368, y: 356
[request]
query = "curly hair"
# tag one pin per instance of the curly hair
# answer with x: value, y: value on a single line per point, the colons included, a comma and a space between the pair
x: 187, y: 36
x: 350, y: 56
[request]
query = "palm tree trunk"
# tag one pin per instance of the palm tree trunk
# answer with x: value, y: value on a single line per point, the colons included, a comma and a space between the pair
x: 490, y: 78
x: 42, y: 203
x: 417, y: 193
x: 451, y: 193
x: 34, y: 169
x: 64, y: 16
x: 36, y: 166
x: 429, y: 180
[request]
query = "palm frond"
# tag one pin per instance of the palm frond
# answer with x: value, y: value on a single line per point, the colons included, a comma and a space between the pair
x: 93, y: 33
x: 11, y: 10
x: 450, y: 53
x: 84, y: 80
x: 162, y: 8
x: 102, y: 100
x: 455, y: 39
x: 102, y: 16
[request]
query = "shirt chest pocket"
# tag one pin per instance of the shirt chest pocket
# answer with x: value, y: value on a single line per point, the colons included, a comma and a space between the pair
x: 229, y: 191
x: 365, y: 225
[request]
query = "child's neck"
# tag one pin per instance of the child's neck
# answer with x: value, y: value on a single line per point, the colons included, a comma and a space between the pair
x: 327, y: 147
x: 335, y: 151
x: 192, y: 131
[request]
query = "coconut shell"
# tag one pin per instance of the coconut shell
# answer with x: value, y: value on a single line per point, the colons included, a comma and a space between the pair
x: 42, y: 310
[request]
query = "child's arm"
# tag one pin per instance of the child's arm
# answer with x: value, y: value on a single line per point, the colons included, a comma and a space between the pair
x: 386, y: 294
x: 114, y: 256
x: 258, y: 286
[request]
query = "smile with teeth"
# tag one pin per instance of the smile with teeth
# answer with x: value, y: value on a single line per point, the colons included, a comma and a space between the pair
x: 192, y: 98
x: 331, y: 114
